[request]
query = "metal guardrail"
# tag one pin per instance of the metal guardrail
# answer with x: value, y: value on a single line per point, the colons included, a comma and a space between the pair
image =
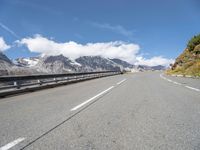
x: 46, y: 76
x: 14, y: 84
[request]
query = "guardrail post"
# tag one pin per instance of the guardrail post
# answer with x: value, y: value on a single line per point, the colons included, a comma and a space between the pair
x: 55, y: 80
x: 16, y: 84
x: 39, y: 82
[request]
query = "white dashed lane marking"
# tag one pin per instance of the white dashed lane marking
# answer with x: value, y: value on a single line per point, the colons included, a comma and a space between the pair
x: 12, y: 144
x: 91, y: 99
x: 120, y: 82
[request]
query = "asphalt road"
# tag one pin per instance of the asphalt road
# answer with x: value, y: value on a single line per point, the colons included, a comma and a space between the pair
x: 132, y: 111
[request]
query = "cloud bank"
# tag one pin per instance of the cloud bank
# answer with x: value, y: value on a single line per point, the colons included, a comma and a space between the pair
x: 154, y: 61
x: 117, y: 49
x: 3, y: 45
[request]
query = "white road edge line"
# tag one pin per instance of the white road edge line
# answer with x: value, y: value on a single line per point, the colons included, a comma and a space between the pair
x: 11, y: 144
x: 91, y: 99
x: 176, y: 83
x: 169, y: 80
x: 189, y: 87
x: 121, y: 82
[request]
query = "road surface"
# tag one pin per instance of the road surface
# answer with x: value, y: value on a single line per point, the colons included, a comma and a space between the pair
x: 132, y: 111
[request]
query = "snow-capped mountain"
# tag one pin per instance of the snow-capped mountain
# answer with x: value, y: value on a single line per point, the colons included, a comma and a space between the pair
x: 149, y: 68
x: 57, y: 64
x: 27, y: 62
x: 7, y: 67
x: 122, y: 63
x: 97, y: 63
x: 62, y: 64
x: 49, y: 64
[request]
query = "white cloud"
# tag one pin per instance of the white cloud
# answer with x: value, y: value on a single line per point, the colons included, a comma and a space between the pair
x: 117, y: 28
x: 154, y: 61
x: 117, y: 49
x: 3, y: 45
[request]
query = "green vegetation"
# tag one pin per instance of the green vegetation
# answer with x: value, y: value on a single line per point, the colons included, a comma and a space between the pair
x: 193, y: 42
x: 188, y: 63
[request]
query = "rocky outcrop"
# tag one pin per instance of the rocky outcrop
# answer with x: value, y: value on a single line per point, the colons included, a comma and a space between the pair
x: 97, y: 63
x: 188, y: 63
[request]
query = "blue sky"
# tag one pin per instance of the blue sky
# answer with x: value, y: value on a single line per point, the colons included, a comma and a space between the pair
x: 159, y: 27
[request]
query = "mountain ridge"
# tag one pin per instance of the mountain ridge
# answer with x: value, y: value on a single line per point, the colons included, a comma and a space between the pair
x: 61, y: 64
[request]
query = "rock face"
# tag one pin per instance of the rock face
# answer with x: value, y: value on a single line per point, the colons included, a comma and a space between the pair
x: 27, y: 62
x: 149, y: 68
x: 62, y: 64
x: 57, y: 64
x: 5, y: 64
x: 7, y: 67
x: 144, y: 67
x: 188, y: 63
x: 5, y: 59
x: 97, y: 63
x: 122, y: 63
x: 49, y: 64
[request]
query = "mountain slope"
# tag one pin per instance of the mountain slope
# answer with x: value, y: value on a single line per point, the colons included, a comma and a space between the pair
x: 97, y: 63
x: 27, y: 62
x: 124, y: 64
x: 188, y: 63
x: 57, y: 64
x: 7, y: 67
x: 62, y: 64
x: 5, y: 64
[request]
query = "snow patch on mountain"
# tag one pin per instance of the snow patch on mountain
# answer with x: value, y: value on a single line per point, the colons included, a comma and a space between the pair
x: 60, y: 64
